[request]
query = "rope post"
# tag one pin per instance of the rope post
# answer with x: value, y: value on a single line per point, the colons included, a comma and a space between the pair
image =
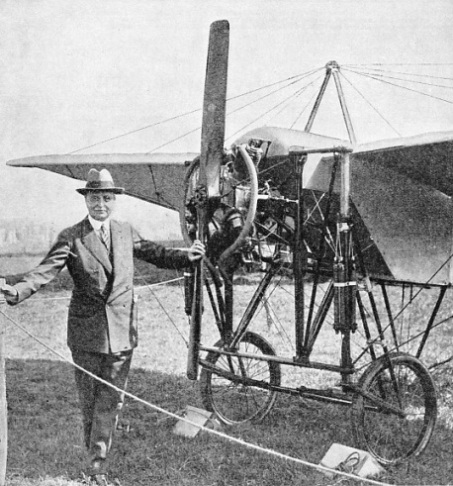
x: 3, y: 412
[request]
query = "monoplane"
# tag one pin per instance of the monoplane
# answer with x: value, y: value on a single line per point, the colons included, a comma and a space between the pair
x: 335, y: 232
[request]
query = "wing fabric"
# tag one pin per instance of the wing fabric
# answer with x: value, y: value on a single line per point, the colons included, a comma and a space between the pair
x: 156, y: 178
x: 401, y: 190
x: 427, y: 158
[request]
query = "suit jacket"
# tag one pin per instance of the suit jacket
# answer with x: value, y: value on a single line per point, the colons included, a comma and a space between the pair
x: 101, y: 315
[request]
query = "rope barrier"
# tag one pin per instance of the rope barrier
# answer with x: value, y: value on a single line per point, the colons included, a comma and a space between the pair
x: 173, y: 415
x: 137, y: 289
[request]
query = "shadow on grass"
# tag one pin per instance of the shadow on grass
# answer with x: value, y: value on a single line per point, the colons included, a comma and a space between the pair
x: 45, y: 437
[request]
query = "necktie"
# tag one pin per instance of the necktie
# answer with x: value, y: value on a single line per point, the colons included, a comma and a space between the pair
x: 105, y: 237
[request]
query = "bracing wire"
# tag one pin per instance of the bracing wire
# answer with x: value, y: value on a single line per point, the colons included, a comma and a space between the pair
x: 272, y: 314
x: 271, y: 109
x: 297, y: 77
x: 370, y: 104
x: 174, y: 139
x: 131, y: 132
x: 403, y: 87
x: 267, y: 95
x: 414, y: 296
x: 378, y: 74
x: 401, y: 64
x: 303, y: 110
x: 297, y: 94
x: 198, y: 128
x: 191, y: 112
x: 292, y: 80
x: 403, y: 309
x: 405, y: 73
x: 387, y: 76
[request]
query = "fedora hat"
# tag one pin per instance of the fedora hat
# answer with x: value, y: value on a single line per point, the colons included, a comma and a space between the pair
x: 100, y: 180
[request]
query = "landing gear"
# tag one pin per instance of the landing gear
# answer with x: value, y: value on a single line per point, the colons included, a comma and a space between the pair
x: 236, y: 391
x: 395, y: 416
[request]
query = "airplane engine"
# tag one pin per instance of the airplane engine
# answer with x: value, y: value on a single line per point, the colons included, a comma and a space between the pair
x: 226, y: 214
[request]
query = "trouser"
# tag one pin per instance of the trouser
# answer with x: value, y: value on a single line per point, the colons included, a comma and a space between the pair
x: 100, y: 404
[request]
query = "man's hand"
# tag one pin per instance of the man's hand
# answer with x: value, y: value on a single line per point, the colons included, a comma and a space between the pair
x: 10, y: 293
x: 196, y: 251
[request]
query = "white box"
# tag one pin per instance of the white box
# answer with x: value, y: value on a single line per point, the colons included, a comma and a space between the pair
x: 350, y: 460
x: 198, y: 417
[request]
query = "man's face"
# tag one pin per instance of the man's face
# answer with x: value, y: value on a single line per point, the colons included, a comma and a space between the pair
x: 100, y: 204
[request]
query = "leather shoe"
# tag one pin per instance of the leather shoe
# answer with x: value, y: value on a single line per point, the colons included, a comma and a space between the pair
x: 101, y: 480
x: 98, y: 480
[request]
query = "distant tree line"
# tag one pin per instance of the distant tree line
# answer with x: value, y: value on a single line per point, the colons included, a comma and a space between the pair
x: 24, y: 237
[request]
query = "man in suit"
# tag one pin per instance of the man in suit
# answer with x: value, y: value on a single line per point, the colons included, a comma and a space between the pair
x: 102, y: 329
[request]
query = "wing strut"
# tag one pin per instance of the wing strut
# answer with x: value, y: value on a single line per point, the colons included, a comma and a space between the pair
x: 332, y: 69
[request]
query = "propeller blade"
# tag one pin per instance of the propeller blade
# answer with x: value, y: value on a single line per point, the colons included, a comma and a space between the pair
x: 214, y: 106
x: 211, y: 155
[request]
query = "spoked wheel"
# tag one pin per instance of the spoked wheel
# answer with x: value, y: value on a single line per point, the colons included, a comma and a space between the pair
x: 395, y: 416
x: 232, y: 393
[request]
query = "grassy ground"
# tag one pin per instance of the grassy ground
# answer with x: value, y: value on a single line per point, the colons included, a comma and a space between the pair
x: 45, y: 425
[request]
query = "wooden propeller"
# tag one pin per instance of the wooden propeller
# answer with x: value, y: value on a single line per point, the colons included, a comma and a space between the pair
x: 212, y: 147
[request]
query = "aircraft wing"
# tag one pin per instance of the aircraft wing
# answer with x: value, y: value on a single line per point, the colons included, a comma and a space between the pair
x: 402, y: 191
x: 156, y: 178
x: 426, y: 158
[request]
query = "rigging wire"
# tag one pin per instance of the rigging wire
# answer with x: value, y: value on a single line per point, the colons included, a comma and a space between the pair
x: 272, y: 314
x: 402, y: 64
x: 271, y: 109
x: 401, y: 79
x: 265, y: 96
x: 421, y: 333
x: 409, y: 302
x: 297, y: 78
x: 370, y: 104
x: 297, y: 94
x: 176, y: 117
x: 116, y: 137
x: 403, y: 87
x: 198, y: 128
x: 303, y: 110
x: 292, y: 80
x: 417, y: 75
x: 174, y: 140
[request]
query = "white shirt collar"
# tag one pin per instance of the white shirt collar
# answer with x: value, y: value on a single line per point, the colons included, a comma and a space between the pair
x: 97, y: 224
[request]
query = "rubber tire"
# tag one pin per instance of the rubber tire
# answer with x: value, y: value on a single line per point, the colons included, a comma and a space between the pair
x: 222, y: 404
x: 394, y: 430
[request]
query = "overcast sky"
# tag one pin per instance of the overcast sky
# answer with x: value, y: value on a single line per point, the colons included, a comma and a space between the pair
x: 76, y: 72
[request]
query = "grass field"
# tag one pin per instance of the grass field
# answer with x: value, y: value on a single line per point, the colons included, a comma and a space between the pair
x: 45, y: 425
